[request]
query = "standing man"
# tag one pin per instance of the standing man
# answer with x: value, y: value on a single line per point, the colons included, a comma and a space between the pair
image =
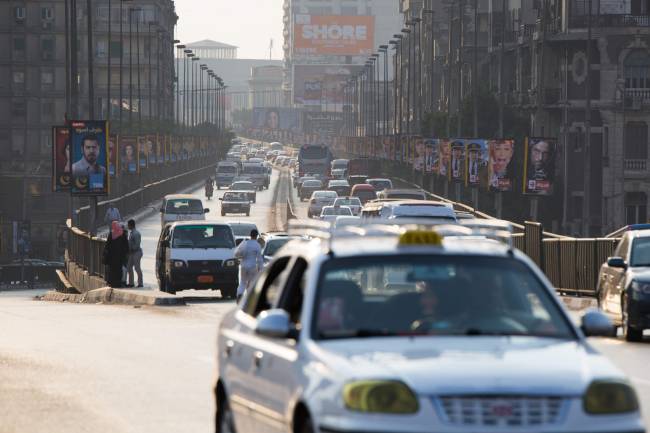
x: 135, y: 254
x: 249, y: 253
x: 112, y: 214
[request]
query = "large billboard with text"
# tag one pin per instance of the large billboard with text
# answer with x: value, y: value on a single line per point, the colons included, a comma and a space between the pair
x: 322, y: 85
x: 333, y: 35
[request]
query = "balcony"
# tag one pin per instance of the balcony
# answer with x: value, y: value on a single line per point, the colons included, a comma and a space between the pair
x: 635, y: 165
x: 612, y: 20
x: 637, y: 99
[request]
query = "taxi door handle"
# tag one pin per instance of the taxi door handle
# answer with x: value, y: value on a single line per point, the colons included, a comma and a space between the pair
x: 258, y: 356
x: 229, y: 346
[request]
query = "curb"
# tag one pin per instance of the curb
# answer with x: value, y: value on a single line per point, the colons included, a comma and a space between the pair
x: 111, y: 296
x: 576, y: 303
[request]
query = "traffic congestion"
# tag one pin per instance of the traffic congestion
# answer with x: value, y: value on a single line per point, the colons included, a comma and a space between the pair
x: 383, y: 309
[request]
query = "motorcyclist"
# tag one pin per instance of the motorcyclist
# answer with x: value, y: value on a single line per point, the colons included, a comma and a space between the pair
x: 209, y: 187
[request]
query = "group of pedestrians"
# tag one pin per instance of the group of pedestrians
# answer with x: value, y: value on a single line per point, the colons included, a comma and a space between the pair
x: 122, y: 252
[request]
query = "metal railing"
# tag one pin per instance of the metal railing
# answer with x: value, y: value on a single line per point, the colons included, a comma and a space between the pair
x: 635, y: 164
x: 610, y: 20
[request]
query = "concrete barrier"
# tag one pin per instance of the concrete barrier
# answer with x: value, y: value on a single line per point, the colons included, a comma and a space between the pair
x: 107, y: 295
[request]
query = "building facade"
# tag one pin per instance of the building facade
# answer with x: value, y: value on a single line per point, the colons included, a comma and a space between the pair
x: 35, y: 95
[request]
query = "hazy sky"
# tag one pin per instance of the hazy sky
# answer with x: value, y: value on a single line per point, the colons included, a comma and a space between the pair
x: 248, y: 24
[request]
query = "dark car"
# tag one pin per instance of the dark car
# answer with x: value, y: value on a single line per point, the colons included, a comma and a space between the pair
x: 235, y: 202
x: 308, y: 187
x: 250, y: 187
x: 357, y: 179
x: 623, y: 288
x: 342, y: 187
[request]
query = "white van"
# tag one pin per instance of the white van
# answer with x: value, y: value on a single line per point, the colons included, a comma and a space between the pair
x: 181, y: 207
x: 197, y: 255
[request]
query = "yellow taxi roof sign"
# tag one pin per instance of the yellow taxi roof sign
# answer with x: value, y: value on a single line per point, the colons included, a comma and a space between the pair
x: 420, y: 237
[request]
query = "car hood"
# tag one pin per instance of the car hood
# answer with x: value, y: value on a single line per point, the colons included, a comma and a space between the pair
x: 202, y: 254
x: 444, y: 365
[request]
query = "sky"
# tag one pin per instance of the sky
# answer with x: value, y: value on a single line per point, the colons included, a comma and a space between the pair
x: 248, y: 24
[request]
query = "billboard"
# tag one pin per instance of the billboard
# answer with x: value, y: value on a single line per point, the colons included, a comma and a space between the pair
x: 430, y: 155
x: 89, y: 156
x: 500, y: 169
x: 477, y: 161
x: 322, y: 123
x: 129, y: 154
x: 275, y: 118
x: 60, y: 158
x: 539, y: 165
x: 322, y: 85
x: 333, y: 35
x: 457, y: 163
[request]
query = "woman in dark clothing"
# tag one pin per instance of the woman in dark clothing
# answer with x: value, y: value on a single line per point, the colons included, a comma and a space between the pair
x: 115, y: 254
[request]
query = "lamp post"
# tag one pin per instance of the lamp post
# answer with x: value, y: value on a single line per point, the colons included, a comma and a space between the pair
x: 408, y: 81
x: 193, y: 98
x: 203, y: 98
x: 131, y: 10
x: 431, y: 51
x: 121, y: 91
x: 179, y: 52
x: 149, y: 24
x: 384, y: 50
x: 137, y: 35
x: 395, y: 43
x: 108, y: 70
x: 91, y: 68
x: 186, y: 112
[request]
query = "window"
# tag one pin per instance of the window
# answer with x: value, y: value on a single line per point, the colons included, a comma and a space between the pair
x: 19, y: 13
x: 636, y: 207
x: 18, y: 108
x: 637, y: 70
x: 47, y: 13
x: 19, y: 48
x: 47, y: 110
x: 636, y: 140
x: 47, y: 79
x: 116, y: 49
x: 17, y: 141
x: 101, y: 49
x: 19, y: 79
x: 47, y: 48
x: 267, y: 287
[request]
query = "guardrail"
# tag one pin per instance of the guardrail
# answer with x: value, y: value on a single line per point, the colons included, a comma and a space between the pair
x: 86, y: 251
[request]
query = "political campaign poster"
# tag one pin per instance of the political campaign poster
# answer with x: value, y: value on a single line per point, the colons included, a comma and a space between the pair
x: 150, y: 149
x: 142, y: 153
x: 89, y: 156
x: 61, y: 162
x: 500, y: 168
x: 539, y: 165
x: 444, y: 158
x: 129, y: 154
x: 168, y: 148
x: 419, y: 157
x: 322, y: 85
x: 476, y: 152
x: 457, y: 163
x: 113, y: 155
x: 430, y: 155
x: 160, y: 149
x: 404, y: 145
x: 276, y: 118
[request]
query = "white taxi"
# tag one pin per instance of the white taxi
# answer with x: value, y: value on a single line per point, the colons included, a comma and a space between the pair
x: 412, y: 333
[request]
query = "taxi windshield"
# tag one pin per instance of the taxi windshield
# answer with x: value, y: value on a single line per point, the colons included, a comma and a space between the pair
x: 434, y: 295
x: 203, y: 236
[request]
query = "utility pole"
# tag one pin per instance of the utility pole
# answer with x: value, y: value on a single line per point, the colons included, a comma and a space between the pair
x: 461, y: 43
x: 108, y: 70
x: 475, y: 70
x: 74, y: 62
x: 586, y: 200
x: 91, y: 57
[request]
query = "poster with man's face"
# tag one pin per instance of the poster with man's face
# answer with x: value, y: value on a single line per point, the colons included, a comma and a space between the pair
x: 160, y: 149
x: 129, y: 154
x: 430, y: 155
x: 539, y: 165
x: 500, y: 170
x: 142, y: 153
x: 404, y: 141
x: 457, y: 162
x: 417, y: 143
x: 90, y: 157
x: 61, y: 163
x: 444, y: 151
x: 113, y: 141
x: 150, y: 149
x: 476, y: 151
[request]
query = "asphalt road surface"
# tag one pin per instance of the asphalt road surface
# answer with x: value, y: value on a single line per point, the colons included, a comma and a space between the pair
x: 69, y: 368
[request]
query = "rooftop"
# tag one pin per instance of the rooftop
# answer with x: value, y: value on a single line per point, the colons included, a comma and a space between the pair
x: 208, y: 43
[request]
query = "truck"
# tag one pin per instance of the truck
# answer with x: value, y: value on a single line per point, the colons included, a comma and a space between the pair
x: 226, y: 172
x: 257, y: 174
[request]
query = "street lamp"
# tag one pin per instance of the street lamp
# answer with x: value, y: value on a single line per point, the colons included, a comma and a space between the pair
x: 384, y: 50
x: 192, y: 91
x: 204, y: 68
x: 397, y: 45
x: 149, y: 24
x: 131, y: 10
x: 121, y: 103
x: 431, y: 51
x: 188, y: 55
x: 409, y: 67
x: 179, y: 52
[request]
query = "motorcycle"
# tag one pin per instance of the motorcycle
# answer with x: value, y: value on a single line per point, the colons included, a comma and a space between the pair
x: 209, y: 190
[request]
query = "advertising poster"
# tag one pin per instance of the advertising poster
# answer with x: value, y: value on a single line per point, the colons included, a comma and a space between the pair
x: 477, y: 161
x: 322, y: 85
x: 160, y: 149
x: 419, y: 153
x: 128, y: 154
x: 404, y: 144
x: 175, y: 143
x: 386, y: 147
x: 539, y: 165
x: 457, y: 163
x: 90, y: 157
x: 61, y: 159
x: 333, y: 35
x: 500, y: 169
x: 150, y: 149
x: 113, y: 154
x: 430, y: 155
x: 142, y: 153
x: 276, y: 118
x: 444, y: 158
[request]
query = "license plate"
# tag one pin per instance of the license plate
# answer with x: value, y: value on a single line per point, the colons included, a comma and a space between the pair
x: 205, y: 279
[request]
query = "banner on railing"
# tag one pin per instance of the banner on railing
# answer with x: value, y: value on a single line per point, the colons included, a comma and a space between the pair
x: 539, y: 165
x: 500, y: 168
x: 457, y: 168
x: 89, y: 153
x: 61, y: 172
x: 129, y: 154
x: 113, y: 155
x: 476, y: 162
x: 142, y: 153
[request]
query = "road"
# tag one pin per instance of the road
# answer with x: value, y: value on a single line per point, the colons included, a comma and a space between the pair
x: 70, y: 368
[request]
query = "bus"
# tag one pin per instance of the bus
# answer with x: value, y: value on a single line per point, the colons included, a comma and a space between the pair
x: 315, y: 159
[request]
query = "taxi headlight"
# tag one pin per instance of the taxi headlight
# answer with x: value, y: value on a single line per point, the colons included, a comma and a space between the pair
x: 379, y: 396
x: 610, y: 397
x: 179, y: 263
x: 230, y: 263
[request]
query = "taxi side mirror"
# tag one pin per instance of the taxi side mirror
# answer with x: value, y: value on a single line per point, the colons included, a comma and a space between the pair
x: 596, y: 324
x: 616, y: 262
x: 274, y: 324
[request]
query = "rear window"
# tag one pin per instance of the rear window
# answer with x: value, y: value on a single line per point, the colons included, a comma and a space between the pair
x: 253, y: 169
x: 184, y: 206
x: 226, y: 169
x: 203, y: 236
x: 312, y: 183
x: 235, y: 196
x: 406, y: 196
x: 365, y: 194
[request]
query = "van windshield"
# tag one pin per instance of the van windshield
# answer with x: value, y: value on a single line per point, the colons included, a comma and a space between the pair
x: 184, y: 206
x: 253, y: 169
x: 226, y: 169
x: 203, y: 236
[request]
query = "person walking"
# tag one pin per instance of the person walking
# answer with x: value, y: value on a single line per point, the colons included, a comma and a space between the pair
x: 116, y: 252
x: 249, y: 254
x: 135, y: 254
x: 112, y: 214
